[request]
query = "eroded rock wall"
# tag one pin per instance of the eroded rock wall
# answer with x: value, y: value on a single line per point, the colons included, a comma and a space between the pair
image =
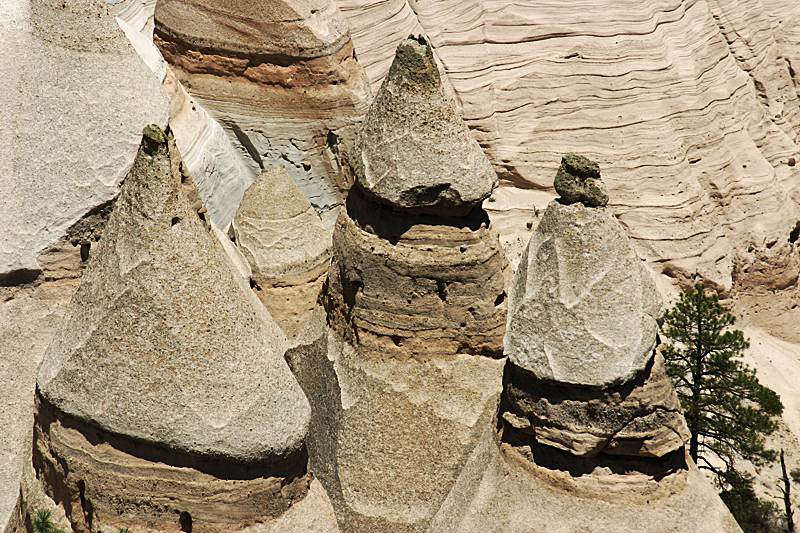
x: 694, y: 133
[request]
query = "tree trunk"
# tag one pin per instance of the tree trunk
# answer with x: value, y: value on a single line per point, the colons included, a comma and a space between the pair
x: 787, y: 500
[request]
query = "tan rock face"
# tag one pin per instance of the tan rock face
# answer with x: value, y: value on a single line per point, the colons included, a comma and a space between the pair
x: 413, y: 151
x: 76, y: 99
x: 403, y: 284
x: 640, y: 419
x: 165, y: 383
x: 282, y: 79
x: 287, y: 246
x: 667, y: 96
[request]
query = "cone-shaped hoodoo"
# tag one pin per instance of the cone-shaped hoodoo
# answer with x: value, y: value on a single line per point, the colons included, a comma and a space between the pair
x: 167, y: 357
x: 584, y: 377
x: 417, y: 268
x: 287, y: 246
x: 414, y: 151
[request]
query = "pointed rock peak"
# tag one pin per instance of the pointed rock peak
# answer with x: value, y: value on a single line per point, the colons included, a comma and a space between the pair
x: 414, y: 151
x: 578, y: 180
x: 163, y: 344
x: 414, y: 67
x: 278, y: 230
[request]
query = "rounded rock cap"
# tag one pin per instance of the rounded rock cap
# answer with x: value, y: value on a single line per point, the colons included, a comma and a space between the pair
x: 413, y: 150
x: 578, y: 180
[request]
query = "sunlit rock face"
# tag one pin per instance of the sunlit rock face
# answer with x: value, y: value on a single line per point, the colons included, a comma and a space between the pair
x: 282, y: 78
x: 287, y: 246
x: 77, y: 96
x: 583, y: 375
x: 689, y: 106
x: 417, y: 268
x: 142, y: 390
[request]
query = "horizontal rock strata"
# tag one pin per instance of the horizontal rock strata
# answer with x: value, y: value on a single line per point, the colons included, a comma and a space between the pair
x: 641, y: 419
x: 287, y: 246
x: 665, y: 97
x: 282, y: 79
x: 403, y: 284
x: 142, y: 397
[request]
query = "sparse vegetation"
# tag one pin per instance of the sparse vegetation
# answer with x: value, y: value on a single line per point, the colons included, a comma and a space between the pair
x: 727, y: 410
x: 43, y: 523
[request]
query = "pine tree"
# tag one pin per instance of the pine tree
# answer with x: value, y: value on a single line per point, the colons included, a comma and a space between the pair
x: 727, y: 410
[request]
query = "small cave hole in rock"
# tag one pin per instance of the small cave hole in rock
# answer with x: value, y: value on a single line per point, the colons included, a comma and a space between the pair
x: 186, y: 522
x: 175, y: 220
x: 500, y: 299
x: 795, y: 233
x: 441, y: 290
x: 396, y: 339
x: 85, y: 247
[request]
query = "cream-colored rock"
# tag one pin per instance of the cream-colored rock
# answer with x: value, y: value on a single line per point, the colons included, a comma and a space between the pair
x: 413, y: 151
x: 499, y: 490
x: 696, y: 160
x: 287, y: 246
x: 78, y: 98
x: 389, y: 437
x: 582, y: 308
x: 278, y: 231
x: 282, y: 79
x: 166, y: 382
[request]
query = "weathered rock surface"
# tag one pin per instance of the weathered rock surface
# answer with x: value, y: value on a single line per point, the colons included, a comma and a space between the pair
x: 501, y: 491
x: 159, y: 283
x: 413, y: 150
x: 699, y: 154
x: 639, y: 419
x: 76, y: 99
x: 281, y: 78
x: 287, y: 246
x: 390, y: 437
x: 402, y: 284
x: 578, y: 180
x: 167, y: 368
x: 582, y: 307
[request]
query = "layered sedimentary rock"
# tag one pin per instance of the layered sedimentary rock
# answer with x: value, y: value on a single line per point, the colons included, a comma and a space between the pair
x: 165, y: 390
x: 281, y: 77
x: 287, y: 246
x: 688, y: 103
x: 581, y: 334
x: 399, y: 393
x: 77, y: 99
x: 417, y: 269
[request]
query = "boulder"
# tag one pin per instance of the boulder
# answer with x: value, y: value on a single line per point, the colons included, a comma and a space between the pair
x: 582, y: 307
x: 413, y: 150
x: 578, y: 180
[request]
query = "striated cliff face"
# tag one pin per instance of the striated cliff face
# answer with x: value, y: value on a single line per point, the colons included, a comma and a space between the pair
x: 688, y: 106
x: 281, y: 77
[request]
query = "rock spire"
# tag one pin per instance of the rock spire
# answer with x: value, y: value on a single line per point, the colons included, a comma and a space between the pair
x: 164, y: 355
x: 581, y: 335
x: 413, y: 150
x: 287, y: 246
